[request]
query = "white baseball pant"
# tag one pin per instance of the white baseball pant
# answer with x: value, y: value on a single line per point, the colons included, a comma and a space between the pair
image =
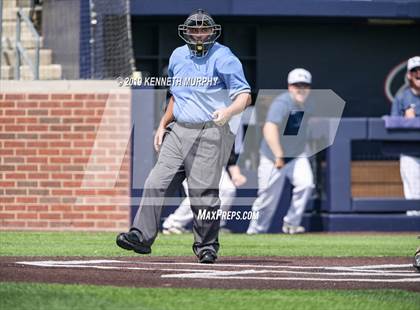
x: 410, y: 175
x: 183, y: 214
x: 270, y: 186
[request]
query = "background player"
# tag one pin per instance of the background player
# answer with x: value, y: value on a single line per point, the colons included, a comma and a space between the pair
x: 274, y: 167
x: 407, y: 104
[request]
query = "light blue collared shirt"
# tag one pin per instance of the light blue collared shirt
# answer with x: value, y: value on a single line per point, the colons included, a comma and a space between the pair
x: 223, y: 77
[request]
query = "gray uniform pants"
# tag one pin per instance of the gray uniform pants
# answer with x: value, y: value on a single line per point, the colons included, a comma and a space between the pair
x: 199, y: 154
x: 182, y: 216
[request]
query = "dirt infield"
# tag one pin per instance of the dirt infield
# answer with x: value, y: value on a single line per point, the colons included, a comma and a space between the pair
x: 229, y: 272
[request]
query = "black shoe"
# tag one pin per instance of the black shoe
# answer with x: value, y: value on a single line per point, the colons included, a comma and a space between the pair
x: 207, y: 257
x: 130, y: 241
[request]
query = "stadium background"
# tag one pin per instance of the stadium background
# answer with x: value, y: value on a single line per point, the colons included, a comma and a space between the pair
x: 350, y: 47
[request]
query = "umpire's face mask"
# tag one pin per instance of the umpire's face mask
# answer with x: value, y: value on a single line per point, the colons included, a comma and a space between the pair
x: 200, y: 33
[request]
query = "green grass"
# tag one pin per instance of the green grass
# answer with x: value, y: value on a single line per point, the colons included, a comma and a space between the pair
x: 103, y: 244
x: 57, y: 296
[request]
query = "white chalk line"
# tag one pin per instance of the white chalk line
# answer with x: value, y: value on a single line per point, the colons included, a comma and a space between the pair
x: 48, y: 264
x: 199, y: 276
x: 213, y: 273
x: 51, y: 263
x: 81, y: 263
x: 73, y: 262
x: 379, y: 266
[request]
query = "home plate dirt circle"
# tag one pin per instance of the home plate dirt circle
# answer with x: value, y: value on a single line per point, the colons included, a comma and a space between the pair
x: 228, y: 272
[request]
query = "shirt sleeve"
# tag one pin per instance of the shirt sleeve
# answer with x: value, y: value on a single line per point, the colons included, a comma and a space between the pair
x: 277, y: 112
x: 232, y: 74
x: 396, y: 109
x: 171, y: 65
x: 233, y: 157
x: 171, y: 70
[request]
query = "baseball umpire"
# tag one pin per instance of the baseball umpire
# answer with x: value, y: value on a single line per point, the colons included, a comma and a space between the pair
x: 199, y: 142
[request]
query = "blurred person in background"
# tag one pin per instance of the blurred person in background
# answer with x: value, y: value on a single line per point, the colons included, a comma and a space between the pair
x: 407, y: 105
x: 286, y: 111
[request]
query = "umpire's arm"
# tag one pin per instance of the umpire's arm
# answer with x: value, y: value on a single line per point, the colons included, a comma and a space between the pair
x: 241, y: 101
